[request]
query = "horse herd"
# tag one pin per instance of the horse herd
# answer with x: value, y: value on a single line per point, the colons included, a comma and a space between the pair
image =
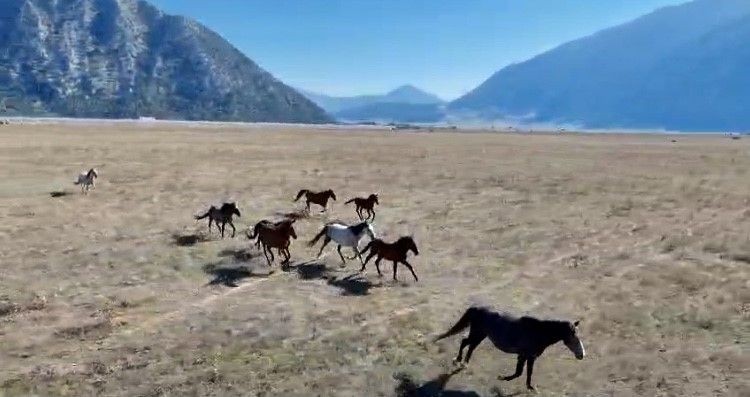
x: 269, y: 235
x: 526, y: 336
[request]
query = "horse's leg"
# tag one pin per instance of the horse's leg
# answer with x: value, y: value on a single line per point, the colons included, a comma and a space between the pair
x: 234, y: 230
x: 210, y: 221
x: 359, y: 213
x: 359, y: 255
x: 325, y: 242
x: 395, y: 266
x: 308, y: 205
x: 265, y: 252
x: 377, y: 265
x: 411, y: 269
x: 223, y: 224
x: 529, y: 370
x: 476, y: 336
x: 519, y: 369
x: 340, y: 254
x: 372, y: 211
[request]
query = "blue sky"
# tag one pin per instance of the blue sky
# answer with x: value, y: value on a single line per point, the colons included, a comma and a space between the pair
x: 448, y: 47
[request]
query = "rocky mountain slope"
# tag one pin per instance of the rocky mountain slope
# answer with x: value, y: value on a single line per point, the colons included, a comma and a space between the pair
x: 125, y: 58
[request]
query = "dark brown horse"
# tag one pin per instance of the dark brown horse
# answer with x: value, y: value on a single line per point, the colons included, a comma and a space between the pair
x: 274, y: 235
x: 365, y: 204
x: 395, y: 252
x: 527, y: 337
x: 320, y: 198
x: 268, y: 224
x: 221, y: 216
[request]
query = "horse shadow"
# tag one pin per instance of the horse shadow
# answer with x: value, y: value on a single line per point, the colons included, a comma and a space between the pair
x: 59, y: 193
x: 228, y: 276
x: 354, y: 284
x: 294, y: 215
x: 242, y: 255
x: 189, y: 239
x: 407, y: 387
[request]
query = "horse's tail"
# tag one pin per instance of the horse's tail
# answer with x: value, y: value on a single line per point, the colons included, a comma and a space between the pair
x: 350, y: 201
x: 318, y: 236
x: 301, y: 193
x: 461, y: 325
x: 197, y: 217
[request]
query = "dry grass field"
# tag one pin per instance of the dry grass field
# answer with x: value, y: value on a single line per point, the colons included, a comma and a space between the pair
x: 121, y: 292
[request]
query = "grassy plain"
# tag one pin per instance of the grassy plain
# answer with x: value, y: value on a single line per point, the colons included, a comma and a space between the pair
x: 646, y: 240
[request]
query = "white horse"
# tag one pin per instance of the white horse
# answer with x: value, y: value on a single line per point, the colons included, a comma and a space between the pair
x: 344, y: 235
x: 86, y: 180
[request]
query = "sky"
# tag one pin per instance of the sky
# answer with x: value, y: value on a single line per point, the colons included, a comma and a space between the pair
x: 354, y: 47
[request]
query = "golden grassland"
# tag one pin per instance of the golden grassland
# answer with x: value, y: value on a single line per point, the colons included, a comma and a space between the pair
x: 646, y: 240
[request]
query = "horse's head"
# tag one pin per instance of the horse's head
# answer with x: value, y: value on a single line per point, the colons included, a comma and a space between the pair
x: 410, y: 244
x: 572, y: 341
x: 292, y: 232
x: 231, y: 208
x: 374, y: 198
x: 93, y: 173
x: 331, y: 194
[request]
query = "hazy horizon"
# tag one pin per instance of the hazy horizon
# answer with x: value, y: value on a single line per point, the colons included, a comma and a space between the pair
x: 347, y: 48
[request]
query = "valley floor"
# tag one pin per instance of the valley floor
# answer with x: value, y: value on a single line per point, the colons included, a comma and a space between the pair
x: 646, y: 240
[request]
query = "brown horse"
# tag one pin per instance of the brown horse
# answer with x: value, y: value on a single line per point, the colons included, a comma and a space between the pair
x: 365, y: 204
x: 274, y: 235
x: 395, y: 252
x: 221, y: 216
x: 268, y: 224
x: 320, y: 198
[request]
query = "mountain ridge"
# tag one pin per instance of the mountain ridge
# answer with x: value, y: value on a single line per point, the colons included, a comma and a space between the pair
x: 406, y: 94
x: 594, y: 81
x: 126, y: 59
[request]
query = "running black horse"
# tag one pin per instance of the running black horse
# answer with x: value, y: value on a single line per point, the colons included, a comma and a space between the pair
x: 527, y: 337
x: 221, y: 216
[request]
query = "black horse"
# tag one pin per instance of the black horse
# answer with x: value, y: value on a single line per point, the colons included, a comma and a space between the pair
x: 221, y: 216
x: 526, y: 336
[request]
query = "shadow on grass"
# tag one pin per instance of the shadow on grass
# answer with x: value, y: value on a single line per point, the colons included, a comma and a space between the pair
x: 407, y: 387
x: 243, y: 255
x: 229, y: 275
x: 189, y: 240
x: 59, y: 193
x: 353, y: 284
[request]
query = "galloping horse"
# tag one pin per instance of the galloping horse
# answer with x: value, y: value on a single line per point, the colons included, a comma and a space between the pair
x: 86, y: 180
x: 365, y: 204
x: 526, y: 336
x: 395, y: 252
x: 343, y: 235
x: 221, y: 216
x: 270, y: 225
x: 274, y: 235
x: 320, y: 198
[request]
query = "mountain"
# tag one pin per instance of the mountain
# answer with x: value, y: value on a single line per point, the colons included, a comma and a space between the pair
x: 405, y: 94
x: 681, y: 68
x: 124, y: 59
x: 390, y: 112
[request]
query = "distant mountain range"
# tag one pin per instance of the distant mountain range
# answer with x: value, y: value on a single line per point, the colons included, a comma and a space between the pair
x: 684, y: 67
x: 124, y: 59
x: 400, y: 104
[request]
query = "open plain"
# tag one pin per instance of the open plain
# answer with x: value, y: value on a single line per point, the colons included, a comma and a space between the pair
x: 644, y: 238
